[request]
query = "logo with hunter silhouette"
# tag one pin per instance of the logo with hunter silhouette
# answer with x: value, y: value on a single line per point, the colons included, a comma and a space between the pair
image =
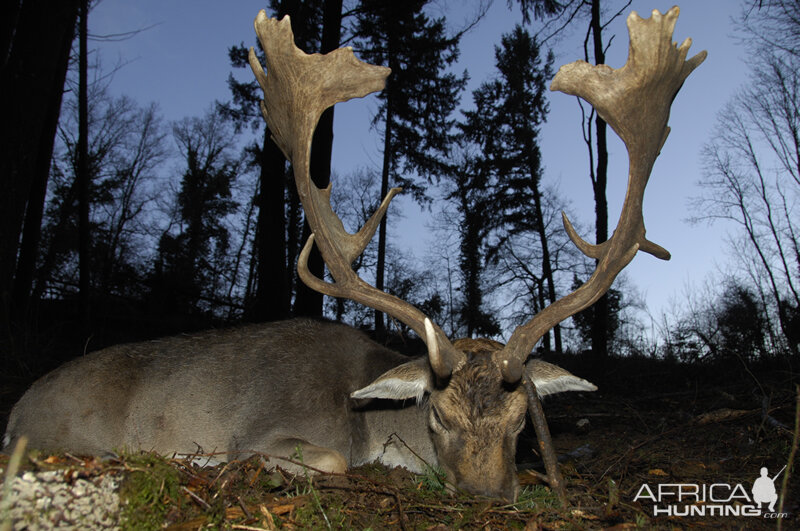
x: 764, y: 489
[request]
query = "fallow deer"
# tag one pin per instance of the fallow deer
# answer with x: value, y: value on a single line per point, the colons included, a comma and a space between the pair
x: 323, y: 391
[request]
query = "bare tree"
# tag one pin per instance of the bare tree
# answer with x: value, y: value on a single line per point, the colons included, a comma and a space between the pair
x: 443, y: 258
x: 772, y: 24
x: 356, y: 199
x: 125, y: 150
x: 752, y: 178
x: 709, y: 324
x: 520, y: 252
x: 124, y: 223
x: 194, y: 261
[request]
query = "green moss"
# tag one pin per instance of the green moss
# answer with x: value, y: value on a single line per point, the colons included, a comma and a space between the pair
x: 433, y: 481
x: 150, y: 488
x: 331, y: 515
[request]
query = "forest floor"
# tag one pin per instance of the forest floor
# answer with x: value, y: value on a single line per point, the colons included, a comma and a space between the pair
x: 650, y: 424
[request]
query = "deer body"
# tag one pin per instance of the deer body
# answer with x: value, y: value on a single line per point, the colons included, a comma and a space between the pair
x: 276, y: 388
x: 254, y: 388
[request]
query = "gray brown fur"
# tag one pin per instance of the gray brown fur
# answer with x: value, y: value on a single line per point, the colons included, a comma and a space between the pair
x: 271, y: 387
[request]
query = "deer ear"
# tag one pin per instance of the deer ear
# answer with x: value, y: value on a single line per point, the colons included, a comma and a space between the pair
x: 550, y: 379
x: 409, y: 380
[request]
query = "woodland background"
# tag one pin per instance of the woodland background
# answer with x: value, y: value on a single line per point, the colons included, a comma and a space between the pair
x: 116, y: 225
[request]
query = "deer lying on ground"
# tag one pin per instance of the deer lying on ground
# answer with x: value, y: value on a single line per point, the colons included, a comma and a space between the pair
x: 323, y: 391
x: 272, y: 388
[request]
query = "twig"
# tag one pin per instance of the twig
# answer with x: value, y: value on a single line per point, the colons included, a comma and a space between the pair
x: 244, y: 508
x: 538, y: 475
x: 11, y: 472
x: 195, y: 497
x: 428, y: 465
x: 554, y: 478
x: 394, y: 435
x: 76, y: 459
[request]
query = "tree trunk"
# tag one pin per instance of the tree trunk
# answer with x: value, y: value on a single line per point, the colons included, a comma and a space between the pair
x: 471, y: 269
x: 308, y: 301
x: 547, y: 267
x: 84, y: 235
x: 600, y: 313
x: 294, y: 216
x: 272, y: 289
x: 29, y: 246
x: 33, y: 38
x: 380, y: 326
x: 273, y: 251
x: 9, y: 11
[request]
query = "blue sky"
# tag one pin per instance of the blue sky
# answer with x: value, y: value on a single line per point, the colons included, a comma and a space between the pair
x: 181, y: 63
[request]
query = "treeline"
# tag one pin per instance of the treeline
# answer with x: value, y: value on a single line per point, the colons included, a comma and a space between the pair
x: 751, y: 182
x: 118, y: 225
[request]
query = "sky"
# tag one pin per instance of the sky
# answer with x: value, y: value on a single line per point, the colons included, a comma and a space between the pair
x: 180, y: 61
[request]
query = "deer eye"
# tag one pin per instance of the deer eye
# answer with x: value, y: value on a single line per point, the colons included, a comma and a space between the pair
x: 436, y: 420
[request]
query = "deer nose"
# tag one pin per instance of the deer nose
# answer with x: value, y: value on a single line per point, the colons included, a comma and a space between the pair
x: 506, y: 490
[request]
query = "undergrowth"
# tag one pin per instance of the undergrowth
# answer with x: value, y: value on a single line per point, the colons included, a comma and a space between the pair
x: 695, y: 436
x: 151, y: 488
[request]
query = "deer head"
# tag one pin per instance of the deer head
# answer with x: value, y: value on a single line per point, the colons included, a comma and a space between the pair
x: 477, y: 405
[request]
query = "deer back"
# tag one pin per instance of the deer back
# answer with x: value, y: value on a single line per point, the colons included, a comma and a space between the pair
x: 234, y: 391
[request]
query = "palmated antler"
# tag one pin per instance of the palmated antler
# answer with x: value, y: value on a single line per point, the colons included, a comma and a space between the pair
x: 635, y: 101
x: 297, y: 88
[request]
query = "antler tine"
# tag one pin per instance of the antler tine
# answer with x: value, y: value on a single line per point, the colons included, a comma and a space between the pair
x: 297, y: 88
x: 635, y: 101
